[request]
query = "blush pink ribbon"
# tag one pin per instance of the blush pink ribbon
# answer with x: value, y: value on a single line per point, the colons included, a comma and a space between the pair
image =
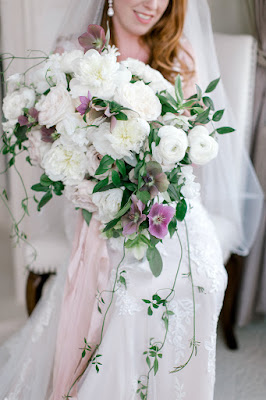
x: 89, y: 271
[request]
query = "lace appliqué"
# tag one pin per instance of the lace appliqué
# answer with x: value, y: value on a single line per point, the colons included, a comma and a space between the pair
x: 179, y: 390
x: 210, y: 346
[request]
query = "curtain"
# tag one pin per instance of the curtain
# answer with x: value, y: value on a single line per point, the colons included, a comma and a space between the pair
x: 252, y: 297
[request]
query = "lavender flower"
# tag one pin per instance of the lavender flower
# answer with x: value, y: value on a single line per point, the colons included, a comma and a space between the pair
x: 159, y: 218
x: 30, y: 119
x: 132, y: 220
x: 155, y: 180
x: 85, y: 103
x: 94, y: 38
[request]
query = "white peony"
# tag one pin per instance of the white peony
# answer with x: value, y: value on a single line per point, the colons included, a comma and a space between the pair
x: 81, y: 195
x: 49, y: 75
x: 172, y: 147
x: 74, y: 126
x: 127, y: 136
x: 203, y: 147
x: 98, y: 73
x: 109, y: 203
x: 14, y: 103
x: 67, y: 60
x: 54, y: 106
x: 65, y: 161
x: 37, y: 147
x: 190, y: 189
x: 139, y: 98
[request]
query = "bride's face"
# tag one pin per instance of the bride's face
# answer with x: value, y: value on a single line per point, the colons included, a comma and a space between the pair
x: 137, y: 17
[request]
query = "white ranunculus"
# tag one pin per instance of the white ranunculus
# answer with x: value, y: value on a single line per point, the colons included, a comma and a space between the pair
x: 49, y: 75
x: 74, y: 126
x: 179, y: 121
x: 172, y: 147
x: 190, y: 189
x: 65, y: 161
x: 127, y: 136
x: 109, y: 203
x: 98, y: 73
x: 139, y: 98
x: 81, y: 195
x: 67, y: 60
x: 54, y: 107
x: 203, y: 147
x: 14, y: 82
x: 37, y: 147
x: 14, y: 103
x: 149, y: 75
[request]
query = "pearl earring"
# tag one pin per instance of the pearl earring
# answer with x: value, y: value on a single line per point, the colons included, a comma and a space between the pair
x: 110, y: 11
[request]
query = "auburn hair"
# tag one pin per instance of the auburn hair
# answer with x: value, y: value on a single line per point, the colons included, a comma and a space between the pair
x: 164, y: 42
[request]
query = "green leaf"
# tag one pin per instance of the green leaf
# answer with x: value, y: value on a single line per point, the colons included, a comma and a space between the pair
x: 169, y: 312
x: 121, y: 167
x: 11, y: 162
x: 28, y: 160
x: 218, y: 115
x: 156, y: 366
x: 44, y: 200
x: 203, y: 118
x: 148, y: 361
x: 173, y: 193
x: 45, y: 180
x: 155, y: 261
x: 172, y: 227
x: 116, y: 178
x: 225, y: 129
x: 40, y: 188
x: 150, y: 312
x: 100, y: 185
x: 58, y: 187
x: 212, y: 85
x: 143, y: 196
x: 105, y: 163
x: 181, y: 210
x: 111, y: 224
x: 121, y: 116
x: 178, y: 89
x: 199, y: 93
x: 130, y: 186
x: 24, y: 205
x: 87, y: 216
x: 208, y: 102
x: 5, y: 150
x: 124, y: 209
x: 145, y: 240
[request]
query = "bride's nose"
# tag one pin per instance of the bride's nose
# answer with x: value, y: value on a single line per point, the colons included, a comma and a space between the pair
x: 151, y: 4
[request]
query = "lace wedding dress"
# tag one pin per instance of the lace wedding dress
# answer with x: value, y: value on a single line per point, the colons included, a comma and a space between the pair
x: 27, y: 359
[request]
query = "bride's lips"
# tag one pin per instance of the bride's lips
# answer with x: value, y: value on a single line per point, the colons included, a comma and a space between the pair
x: 143, y: 18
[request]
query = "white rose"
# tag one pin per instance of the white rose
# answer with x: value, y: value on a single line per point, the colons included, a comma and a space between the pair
x: 172, y: 147
x: 139, y: 98
x: 14, y: 103
x: 109, y: 203
x: 203, y: 148
x: 74, y: 126
x: 67, y: 60
x: 38, y: 148
x: 81, y: 195
x: 54, y: 106
x: 127, y: 136
x: 65, y: 161
x: 98, y: 73
x: 49, y: 75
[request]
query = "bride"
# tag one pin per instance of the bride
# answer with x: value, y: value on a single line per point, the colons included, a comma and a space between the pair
x: 139, y: 345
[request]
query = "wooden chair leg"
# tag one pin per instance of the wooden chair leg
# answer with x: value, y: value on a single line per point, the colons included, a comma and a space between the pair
x: 35, y: 283
x: 228, y: 314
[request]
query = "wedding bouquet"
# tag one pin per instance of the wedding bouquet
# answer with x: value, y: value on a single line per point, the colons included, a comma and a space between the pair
x: 116, y: 137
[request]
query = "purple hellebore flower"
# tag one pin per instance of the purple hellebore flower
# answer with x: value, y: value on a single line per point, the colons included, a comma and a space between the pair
x: 85, y: 103
x: 132, y: 220
x: 30, y: 119
x: 159, y: 218
x: 155, y: 180
x: 47, y: 134
x: 94, y: 38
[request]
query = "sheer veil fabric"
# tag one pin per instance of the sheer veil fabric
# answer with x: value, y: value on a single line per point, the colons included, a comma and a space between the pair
x: 26, y: 360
